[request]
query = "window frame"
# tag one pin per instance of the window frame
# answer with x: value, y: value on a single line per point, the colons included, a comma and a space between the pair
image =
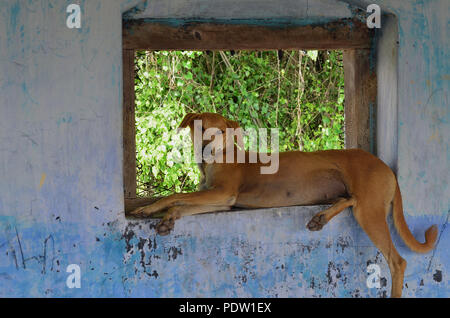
x: 351, y: 36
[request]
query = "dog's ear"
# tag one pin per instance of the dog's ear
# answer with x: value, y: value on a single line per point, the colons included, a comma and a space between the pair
x: 232, y: 124
x: 188, y: 119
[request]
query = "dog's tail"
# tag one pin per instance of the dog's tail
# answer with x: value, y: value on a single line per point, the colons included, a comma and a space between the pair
x: 405, y: 233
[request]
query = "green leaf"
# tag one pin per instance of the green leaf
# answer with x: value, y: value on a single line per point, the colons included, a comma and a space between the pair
x: 313, y: 55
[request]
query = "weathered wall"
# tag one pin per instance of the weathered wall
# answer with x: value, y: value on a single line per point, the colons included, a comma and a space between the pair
x: 234, y: 9
x: 61, y: 198
x: 387, y: 76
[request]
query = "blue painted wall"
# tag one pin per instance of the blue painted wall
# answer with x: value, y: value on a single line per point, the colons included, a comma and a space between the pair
x: 61, y: 199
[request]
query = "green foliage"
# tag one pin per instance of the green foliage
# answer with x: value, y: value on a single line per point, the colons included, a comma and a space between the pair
x: 301, y: 93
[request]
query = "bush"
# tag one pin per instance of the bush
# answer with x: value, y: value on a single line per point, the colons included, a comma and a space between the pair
x: 301, y: 93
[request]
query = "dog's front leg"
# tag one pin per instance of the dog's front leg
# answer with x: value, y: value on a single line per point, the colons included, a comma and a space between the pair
x: 168, y: 222
x: 210, y: 197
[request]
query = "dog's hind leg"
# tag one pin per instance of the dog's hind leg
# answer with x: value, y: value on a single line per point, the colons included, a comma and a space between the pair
x: 168, y: 222
x: 372, y: 218
x: 323, y: 217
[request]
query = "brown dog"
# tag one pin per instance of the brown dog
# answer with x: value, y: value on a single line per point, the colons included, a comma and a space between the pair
x: 343, y: 178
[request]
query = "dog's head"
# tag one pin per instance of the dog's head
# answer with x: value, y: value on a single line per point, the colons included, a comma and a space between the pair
x: 214, y: 130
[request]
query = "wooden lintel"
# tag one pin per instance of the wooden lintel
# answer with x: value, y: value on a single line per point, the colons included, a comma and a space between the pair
x: 150, y: 35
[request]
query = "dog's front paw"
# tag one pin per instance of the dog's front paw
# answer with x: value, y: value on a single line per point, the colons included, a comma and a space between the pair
x: 143, y: 212
x: 165, y: 226
x: 317, y: 222
x: 168, y: 222
x: 138, y: 213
